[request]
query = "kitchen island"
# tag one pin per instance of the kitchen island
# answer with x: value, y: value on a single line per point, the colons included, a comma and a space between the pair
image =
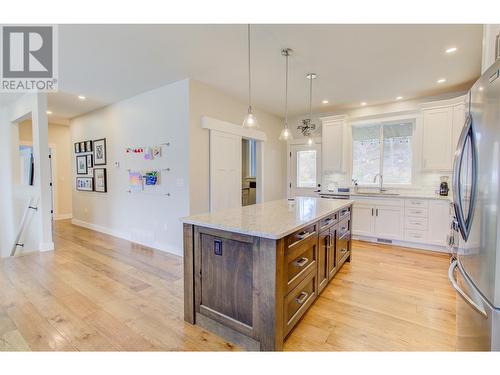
x: 250, y: 273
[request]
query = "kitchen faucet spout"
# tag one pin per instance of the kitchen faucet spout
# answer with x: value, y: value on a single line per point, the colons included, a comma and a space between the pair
x: 381, y: 180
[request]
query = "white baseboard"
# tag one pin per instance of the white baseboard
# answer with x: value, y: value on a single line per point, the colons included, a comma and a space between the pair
x: 46, y: 246
x: 99, y: 228
x: 413, y: 245
x: 63, y: 216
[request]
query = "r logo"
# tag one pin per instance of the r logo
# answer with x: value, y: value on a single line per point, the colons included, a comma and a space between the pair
x: 27, y: 52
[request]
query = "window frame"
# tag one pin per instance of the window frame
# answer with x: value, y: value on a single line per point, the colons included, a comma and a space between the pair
x: 381, y: 122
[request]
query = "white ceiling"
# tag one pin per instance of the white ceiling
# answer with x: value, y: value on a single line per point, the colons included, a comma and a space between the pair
x: 354, y: 63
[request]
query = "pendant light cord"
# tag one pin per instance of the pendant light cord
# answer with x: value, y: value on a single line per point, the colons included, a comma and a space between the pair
x: 286, y: 91
x: 249, y: 73
x: 310, y: 95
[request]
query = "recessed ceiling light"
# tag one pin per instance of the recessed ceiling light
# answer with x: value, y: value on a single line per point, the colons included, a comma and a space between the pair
x: 324, y: 101
x: 481, y: 88
x: 363, y: 103
x: 451, y: 50
x: 441, y: 80
x: 49, y: 112
x: 399, y: 97
x: 81, y: 97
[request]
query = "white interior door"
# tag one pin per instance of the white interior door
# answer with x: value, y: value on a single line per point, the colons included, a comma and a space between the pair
x: 305, y: 170
x: 225, y: 170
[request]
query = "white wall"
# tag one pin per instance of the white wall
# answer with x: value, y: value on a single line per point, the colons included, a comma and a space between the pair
x: 206, y: 101
x: 151, y: 118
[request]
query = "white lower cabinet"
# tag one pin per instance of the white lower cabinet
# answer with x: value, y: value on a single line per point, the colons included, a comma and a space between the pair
x: 378, y: 219
x: 388, y: 222
x: 364, y: 223
x: 418, y: 221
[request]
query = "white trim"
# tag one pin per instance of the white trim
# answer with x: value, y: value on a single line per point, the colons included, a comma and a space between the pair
x: 336, y: 118
x: 227, y: 127
x: 443, y: 103
x: 46, y: 246
x: 63, y: 216
x: 99, y: 228
x: 412, y: 245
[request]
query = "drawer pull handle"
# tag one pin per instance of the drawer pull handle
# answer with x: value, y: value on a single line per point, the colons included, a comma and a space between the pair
x: 328, y: 221
x: 302, y: 235
x: 301, y: 262
x: 301, y: 298
x: 343, y: 229
x: 343, y: 251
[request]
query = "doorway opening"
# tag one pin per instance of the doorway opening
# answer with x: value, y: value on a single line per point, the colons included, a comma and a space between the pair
x: 248, y: 172
x: 304, y: 170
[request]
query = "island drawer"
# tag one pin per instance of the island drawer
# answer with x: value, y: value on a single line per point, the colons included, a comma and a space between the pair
x: 299, y: 261
x: 344, y: 227
x: 342, y: 249
x: 344, y: 213
x: 328, y: 221
x: 302, y: 235
x: 298, y: 301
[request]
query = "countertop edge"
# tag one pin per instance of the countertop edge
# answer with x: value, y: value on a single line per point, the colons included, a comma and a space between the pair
x: 270, y: 236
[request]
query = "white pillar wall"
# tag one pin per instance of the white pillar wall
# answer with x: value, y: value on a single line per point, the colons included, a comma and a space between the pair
x: 42, y: 169
x: 15, y: 197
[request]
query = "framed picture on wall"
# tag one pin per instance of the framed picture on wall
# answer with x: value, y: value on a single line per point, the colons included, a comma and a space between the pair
x: 85, y: 183
x: 82, y: 147
x: 77, y: 148
x: 81, y: 164
x: 100, y: 151
x: 90, y: 161
x: 100, y: 180
x: 88, y: 146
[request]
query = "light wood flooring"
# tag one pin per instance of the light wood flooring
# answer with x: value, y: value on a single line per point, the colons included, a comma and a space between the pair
x: 99, y: 293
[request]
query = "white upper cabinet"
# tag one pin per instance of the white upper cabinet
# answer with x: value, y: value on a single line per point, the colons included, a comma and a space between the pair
x: 436, y: 141
x: 458, y: 124
x: 333, y: 134
x: 441, y: 127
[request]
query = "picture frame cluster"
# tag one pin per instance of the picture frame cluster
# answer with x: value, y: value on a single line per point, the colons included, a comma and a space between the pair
x: 90, y: 154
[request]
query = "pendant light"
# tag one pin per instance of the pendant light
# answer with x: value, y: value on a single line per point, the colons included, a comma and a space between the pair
x: 307, y: 126
x: 286, y: 134
x: 250, y: 121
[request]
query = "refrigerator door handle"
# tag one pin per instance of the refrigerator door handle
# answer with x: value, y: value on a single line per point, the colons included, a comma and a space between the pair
x: 464, y: 225
x: 461, y: 293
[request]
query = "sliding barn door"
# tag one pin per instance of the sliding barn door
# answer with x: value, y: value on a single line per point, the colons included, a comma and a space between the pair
x: 225, y: 170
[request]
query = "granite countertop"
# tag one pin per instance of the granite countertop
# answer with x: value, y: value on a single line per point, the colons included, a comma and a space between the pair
x: 273, y: 220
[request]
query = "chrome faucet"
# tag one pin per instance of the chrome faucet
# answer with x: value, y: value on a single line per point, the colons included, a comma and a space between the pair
x: 381, y: 189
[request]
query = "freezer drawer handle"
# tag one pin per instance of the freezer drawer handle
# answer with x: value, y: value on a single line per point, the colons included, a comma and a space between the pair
x: 462, y: 294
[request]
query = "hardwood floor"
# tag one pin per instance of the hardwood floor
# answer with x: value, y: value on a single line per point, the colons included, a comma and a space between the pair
x: 97, y: 292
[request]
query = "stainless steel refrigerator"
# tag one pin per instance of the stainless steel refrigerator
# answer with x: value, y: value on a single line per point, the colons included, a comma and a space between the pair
x: 475, y: 242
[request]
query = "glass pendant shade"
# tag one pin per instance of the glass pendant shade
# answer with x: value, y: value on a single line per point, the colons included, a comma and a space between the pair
x: 310, y: 141
x: 250, y: 121
x: 286, y: 134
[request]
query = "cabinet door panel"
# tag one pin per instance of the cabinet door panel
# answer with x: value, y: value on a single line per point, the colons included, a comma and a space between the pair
x: 437, y: 139
x: 323, y: 254
x: 363, y: 223
x: 332, y: 147
x: 332, y: 253
x: 439, y: 223
x: 388, y: 222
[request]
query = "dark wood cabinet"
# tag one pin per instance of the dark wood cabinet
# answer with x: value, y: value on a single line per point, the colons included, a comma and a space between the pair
x: 253, y: 290
x: 323, y: 255
x: 332, y: 252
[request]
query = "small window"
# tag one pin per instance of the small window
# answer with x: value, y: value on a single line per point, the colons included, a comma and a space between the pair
x: 382, y: 148
x: 306, y: 169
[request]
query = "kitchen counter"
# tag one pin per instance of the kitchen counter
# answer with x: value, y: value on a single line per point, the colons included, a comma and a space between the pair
x: 403, y: 195
x: 273, y: 220
x: 251, y: 273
